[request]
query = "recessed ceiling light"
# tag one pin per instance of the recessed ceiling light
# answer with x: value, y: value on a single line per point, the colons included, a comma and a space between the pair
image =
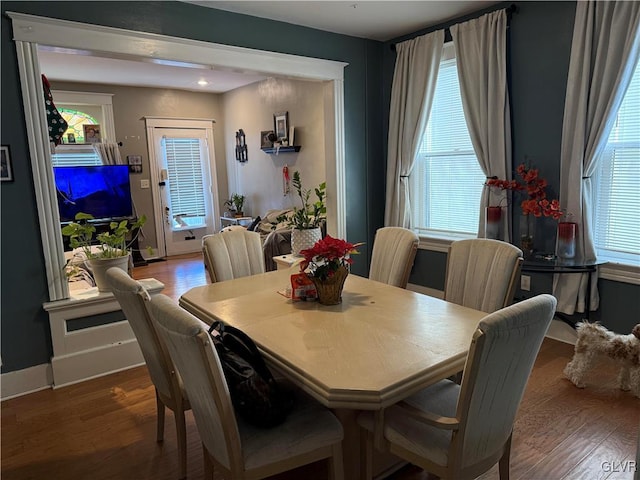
x: 203, y: 82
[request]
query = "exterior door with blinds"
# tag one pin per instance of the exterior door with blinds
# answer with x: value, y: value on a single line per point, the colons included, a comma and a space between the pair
x: 184, y: 188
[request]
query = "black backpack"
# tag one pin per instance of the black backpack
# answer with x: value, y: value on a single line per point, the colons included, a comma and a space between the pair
x: 255, y: 394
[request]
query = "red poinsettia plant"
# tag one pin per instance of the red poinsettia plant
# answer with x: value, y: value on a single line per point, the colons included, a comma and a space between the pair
x: 327, y: 255
x: 537, y: 203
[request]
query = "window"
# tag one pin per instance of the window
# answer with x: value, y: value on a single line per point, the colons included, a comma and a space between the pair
x: 186, y: 185
x: 447, y: 178
x: 615, y: 184
x: 78, y: 154
x: 80, y: 108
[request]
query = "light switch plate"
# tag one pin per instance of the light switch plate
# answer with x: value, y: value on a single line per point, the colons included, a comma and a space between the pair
x: 144, y: 183
x: 525, y: 282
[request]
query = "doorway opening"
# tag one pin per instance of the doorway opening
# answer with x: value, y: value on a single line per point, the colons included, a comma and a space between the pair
x: 31, y: 31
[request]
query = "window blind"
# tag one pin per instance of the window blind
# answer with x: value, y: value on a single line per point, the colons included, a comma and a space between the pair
x: 185, y: 175
x: 448, y: 179
x: 69, y: 156
x: 617, y: 184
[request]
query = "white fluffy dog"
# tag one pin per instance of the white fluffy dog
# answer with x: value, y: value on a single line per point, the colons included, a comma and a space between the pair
x: 594, y: 340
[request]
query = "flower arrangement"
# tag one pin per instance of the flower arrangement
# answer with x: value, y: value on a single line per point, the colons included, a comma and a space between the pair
x: 328, y: 259
x: 327, y: 256
x: 537, y: 203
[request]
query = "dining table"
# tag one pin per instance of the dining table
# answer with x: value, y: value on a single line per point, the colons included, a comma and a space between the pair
x: 378, y: 346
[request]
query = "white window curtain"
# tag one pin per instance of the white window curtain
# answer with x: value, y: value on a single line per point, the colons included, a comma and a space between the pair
x: 604, y: 52
x: 109, y: 153
x: 481, y: 54
x: 414, y: 81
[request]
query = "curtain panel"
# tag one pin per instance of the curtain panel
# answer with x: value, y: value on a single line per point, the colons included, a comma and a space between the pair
x: 604, y: 52
x: 481, y: 56
x: 414, y: 83
x: 109, y: 153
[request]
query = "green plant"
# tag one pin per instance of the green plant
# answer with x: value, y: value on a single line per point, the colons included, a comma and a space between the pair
x: 236, y: 202
x: 111, y: 244
x: 311, y: 215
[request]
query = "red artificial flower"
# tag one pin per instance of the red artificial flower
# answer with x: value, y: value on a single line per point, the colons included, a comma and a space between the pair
x: 537, y: 203
x: 327, y: 255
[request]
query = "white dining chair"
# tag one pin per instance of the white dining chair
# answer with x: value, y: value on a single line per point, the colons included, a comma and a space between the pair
x: 232, y: 254
x: 134, y: 299
x: 482, y: 273
x: 394, y: 251
x: 240, y: 451
x: 461, y: 431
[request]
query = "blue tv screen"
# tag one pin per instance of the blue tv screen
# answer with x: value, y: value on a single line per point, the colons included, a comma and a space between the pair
x: 103, y: 191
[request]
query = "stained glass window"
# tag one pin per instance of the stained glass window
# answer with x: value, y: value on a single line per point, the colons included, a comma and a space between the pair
x: 75, y: 119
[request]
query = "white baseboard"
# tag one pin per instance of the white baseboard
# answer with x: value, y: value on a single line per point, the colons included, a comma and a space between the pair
x: 28, y: 380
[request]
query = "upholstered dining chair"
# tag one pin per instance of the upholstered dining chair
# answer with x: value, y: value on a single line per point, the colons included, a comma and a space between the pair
x: 482, y: 273
x: 133, y: 299
x: 461, y: 431
x: 237, y: 449
x: 232, y: 254
x: 394, y: 250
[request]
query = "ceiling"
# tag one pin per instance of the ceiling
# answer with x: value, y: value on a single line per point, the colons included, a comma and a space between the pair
x: 372, y: 19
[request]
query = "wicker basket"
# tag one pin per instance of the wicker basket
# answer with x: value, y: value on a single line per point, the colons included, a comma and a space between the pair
x: 330, y: 290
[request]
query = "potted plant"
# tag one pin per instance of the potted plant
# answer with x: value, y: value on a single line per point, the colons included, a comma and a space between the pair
x: 110, y: 249
x: 328, y: 262
x: 306, y: 220
x: 235, y: 204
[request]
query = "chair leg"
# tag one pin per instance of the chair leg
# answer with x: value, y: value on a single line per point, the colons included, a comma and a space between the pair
x: 503, y: 467
x: 336, y: 466
x: 208, y: 464
x: 160, y: 407
x: 181, y: 430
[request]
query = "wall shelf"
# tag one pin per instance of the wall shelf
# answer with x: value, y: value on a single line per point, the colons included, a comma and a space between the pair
x: 273, y: 150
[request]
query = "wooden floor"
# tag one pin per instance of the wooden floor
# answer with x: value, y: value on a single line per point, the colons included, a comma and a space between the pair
x: 105, y: 428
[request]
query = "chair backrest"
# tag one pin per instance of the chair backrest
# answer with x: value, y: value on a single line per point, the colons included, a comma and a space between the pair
x: 500, y: 360
x: 134, y: 299
x: 482, y: 273
x: 197, y: 361
x: 394, y: 250
x: 232, y: 254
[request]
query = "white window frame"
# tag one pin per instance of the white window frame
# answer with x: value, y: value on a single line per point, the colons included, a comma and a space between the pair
x: 433, y: 240
x: 621, y: 266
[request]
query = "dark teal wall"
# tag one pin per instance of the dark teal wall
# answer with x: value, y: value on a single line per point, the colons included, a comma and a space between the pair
x: 25, y: 329
x: 539, y: 39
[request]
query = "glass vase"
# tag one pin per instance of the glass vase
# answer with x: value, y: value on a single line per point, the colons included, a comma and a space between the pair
x: 566, y: 247
x: 492, y: 222
x: 527, y: 234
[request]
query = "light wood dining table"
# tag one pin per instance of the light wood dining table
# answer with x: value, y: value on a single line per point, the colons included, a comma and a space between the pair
x: 380, y: 345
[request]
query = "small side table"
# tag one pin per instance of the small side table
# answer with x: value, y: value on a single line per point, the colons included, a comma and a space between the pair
x: 284, y: 262
x: 227, y: 221
x: 553, y: 265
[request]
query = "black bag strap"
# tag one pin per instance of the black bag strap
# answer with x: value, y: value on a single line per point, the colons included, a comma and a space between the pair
x: 238, y: 341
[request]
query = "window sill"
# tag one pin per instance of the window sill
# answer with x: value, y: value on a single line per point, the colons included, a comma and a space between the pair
x: 439, y: 243
x: 619, y: 272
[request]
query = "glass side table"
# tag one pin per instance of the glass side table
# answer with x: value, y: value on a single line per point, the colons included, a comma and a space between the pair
x: 552, y: 264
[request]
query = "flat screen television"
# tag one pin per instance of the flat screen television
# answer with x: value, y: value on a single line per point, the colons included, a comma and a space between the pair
x: 104, y: 191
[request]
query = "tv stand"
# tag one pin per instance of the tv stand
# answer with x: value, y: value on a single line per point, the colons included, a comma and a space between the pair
x: 136, y: 255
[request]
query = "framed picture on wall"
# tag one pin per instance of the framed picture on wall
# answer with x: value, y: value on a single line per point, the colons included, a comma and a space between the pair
x: 6, y: 172
x: 281, y: 125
